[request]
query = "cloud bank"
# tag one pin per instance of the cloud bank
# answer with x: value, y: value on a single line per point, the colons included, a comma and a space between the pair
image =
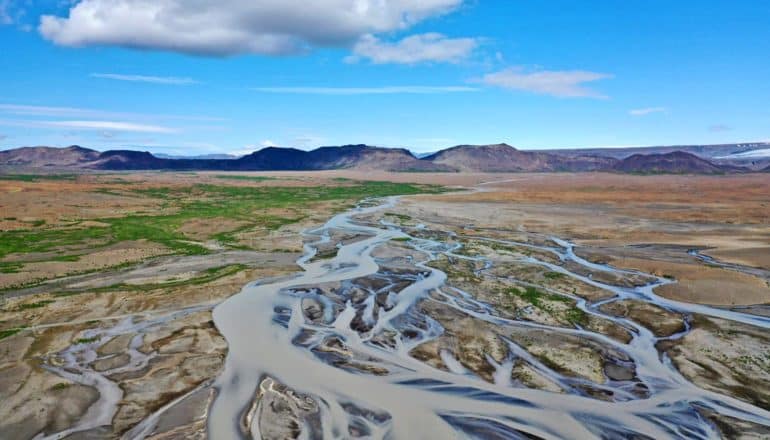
x: 5, y: 12
x: 101, y: 126
x: 562, y: 84
x: 388, y: 90
x: 719, y: 128
x: 111, y: 125
x: 646, y: 111
x: 74, y: 112
x: 168, y: 80
x: 231, y: 27
x: 430, y: 47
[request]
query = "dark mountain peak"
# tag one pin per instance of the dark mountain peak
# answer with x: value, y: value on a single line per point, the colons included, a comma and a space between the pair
x: 361, y: 148
x: 675, y: 162
x: 128, y: 154
x: 272, y: 158
x: 347, y: 147
x: 79, y: 149
x: 501, y: 147
x: 673, y: 155
x: 128, y: 160
x: 387, y: 150
x: 274, y: 150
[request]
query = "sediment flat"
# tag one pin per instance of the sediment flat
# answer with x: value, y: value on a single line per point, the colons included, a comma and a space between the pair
x: 563, y: 291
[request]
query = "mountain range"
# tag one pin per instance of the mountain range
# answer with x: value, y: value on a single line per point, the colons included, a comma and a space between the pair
x: 752, y: 155
x: 462, y: 158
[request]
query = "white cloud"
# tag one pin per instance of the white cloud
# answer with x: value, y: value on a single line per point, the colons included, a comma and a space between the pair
x: 111, y: 125
x: 430, y: 47
x: 646, y: 111
x: 74, y: 112
x: 719, y: 128
x: 387, y: 90
x: 169, y: 80
x: 230, y: 27
x: 267, y: 143
x: 99, y: 126
x: 562, y: 84
x: 37, y: 110
x: 5, y: 12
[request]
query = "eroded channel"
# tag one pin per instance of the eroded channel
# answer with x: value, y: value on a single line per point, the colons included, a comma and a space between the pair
x: 375, y: 342
x: 408, y: 331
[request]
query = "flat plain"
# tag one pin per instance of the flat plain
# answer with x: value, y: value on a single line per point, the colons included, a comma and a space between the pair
x: 109, y: 282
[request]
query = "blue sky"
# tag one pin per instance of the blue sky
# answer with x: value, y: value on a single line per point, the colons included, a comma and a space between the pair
x: 185, y: 76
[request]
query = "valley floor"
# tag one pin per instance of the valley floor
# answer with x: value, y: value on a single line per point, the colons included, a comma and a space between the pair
x: 109, y: 282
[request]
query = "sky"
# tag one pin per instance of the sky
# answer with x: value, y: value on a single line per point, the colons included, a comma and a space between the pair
x: 186, y: 77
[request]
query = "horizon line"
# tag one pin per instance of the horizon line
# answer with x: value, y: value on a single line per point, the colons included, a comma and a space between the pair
x: 231, y: 153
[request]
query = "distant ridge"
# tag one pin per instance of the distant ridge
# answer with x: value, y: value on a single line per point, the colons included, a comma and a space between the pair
x: 677, y: 162
x: 38, y: 157
x: 744, y: 154
x: 275, y: 159
x: 461, y: 158
x: 202, y: 156
x: 710, y: 152
x: 505, y: 158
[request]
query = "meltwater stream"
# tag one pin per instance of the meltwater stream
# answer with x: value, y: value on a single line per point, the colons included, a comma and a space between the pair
x: 271, y: 345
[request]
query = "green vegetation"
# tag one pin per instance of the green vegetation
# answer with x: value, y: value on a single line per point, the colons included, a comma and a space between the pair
x: 38, y: 177
x: 209, y: 275
x: 86, y: 340
x: 326, y: 254
x: 402, y: 217
x: 255, y: 208
x: 10, y: 332
x: 66, y: 258
x: 457, y: 270
x: 11, y: 267
x: 539, y: 300
x: 577, y: 316
x: 35, y: 305
x: 61, y: 386
x: 26, y: 241
x: 245, y: 204
x: 402, y: 239
x: 66, y: 294
x: 535, y: 296
x: 553, y: 275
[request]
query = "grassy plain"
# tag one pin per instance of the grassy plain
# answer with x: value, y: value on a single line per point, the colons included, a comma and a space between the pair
x: 81, y: 254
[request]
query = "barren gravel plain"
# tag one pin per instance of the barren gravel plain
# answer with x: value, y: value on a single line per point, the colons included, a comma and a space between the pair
x: 320, y: 305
